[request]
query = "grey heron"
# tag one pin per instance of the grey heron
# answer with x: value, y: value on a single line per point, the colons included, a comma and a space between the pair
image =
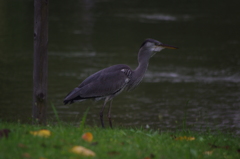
x: 109, y: 82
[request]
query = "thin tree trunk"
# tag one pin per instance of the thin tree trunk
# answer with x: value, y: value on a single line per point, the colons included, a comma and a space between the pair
x: 40, y: 70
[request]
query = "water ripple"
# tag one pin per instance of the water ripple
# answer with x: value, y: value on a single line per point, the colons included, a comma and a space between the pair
x: 155, y: 17
x: 182, y: 77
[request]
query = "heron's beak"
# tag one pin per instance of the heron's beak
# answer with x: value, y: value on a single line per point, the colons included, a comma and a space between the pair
x: 168, y: 46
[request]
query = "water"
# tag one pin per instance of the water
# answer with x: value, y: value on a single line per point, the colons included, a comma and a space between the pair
x: 197, y: 84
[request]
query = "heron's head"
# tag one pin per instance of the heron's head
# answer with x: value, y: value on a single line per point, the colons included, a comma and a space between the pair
x: 154, y: 46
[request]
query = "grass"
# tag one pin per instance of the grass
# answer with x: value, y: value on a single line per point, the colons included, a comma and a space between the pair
x: 114, y: 143
x: 127, y: 143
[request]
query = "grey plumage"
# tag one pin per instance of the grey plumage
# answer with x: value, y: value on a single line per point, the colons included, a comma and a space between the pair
x: 109, y: 82
x: 100, y: 84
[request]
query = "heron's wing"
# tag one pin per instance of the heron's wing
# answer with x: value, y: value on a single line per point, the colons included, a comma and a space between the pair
x: 102, y: 83
x: 106, y: 82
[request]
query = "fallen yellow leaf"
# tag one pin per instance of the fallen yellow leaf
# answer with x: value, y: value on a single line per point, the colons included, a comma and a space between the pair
x: 185, y: 138
x: 208, y: 152
x: 41, y: 133
x: 82, y: 151
x: 87, y: 136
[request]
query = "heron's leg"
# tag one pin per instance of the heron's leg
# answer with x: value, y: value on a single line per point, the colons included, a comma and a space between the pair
x: 101, y: 112
x: 109, y: 114
x: 101, y: 116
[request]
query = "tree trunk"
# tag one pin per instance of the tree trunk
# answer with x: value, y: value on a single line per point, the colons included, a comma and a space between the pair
x: 40, y: 70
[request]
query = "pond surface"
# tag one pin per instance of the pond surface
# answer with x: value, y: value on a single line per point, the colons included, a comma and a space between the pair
x: 197, y: 85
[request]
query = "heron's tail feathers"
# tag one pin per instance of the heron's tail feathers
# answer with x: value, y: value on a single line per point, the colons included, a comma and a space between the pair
x: 73, y: 100
x: 68, y: 101
x: 73, y: 96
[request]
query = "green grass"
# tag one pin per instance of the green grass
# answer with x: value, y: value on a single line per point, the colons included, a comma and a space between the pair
x: 122, y: 143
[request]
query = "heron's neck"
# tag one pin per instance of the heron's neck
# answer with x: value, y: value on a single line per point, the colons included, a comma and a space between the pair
x: 141, y: 69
